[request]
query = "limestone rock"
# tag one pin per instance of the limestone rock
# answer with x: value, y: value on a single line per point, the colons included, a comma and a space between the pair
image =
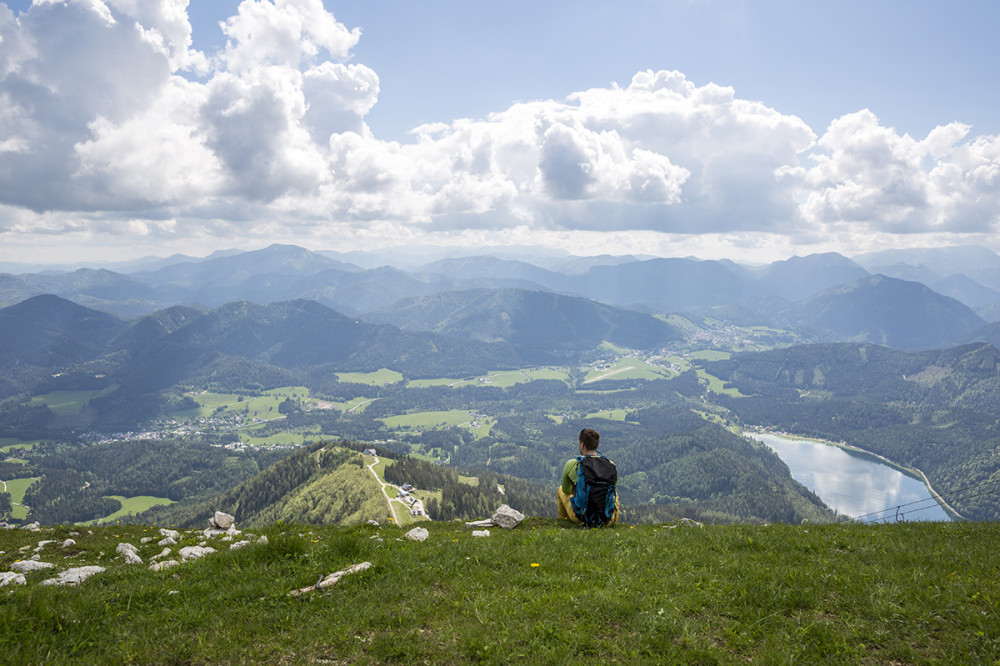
x: 167, y: 541
x: 228, y: 533
x: 507, y: 517
x: 221, y: 521
x: 12, y: 578
x: 73, y: 576
x: 131, y: 557
x: 42, y: 544
x: 68, y: 543
x: 333, y: 578
x: 262, y: 541
x: 170, y: 534
x: 480, y: 523
x: 373, y: 523
x: 163, y: 553
x: 165, y: 564
x: 417, y: 534
x: 194, y: 552
x: 123, y: 547
x: 239, y: 544
x: 480, y: 533
x: 146, y: 539
x: 24, y: 566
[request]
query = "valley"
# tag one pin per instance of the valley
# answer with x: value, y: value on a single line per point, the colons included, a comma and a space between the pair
x: 481, y: 383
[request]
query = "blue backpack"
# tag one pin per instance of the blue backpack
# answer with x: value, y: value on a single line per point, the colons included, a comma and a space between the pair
x: 596, y: 496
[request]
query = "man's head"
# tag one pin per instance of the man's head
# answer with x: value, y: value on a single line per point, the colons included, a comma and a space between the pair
x: 589, y: 439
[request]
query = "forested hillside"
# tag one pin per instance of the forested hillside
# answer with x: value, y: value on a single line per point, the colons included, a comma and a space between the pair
x: 935, y: 411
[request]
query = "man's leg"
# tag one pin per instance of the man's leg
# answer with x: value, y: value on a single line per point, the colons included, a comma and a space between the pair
x: 565, y: 510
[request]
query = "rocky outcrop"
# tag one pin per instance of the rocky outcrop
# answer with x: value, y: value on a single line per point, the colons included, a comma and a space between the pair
x: 504, y: 517
x: 24, y: 566
x: 221, y: 521
x: 12, y: 578
x: 189, y: 553
x: 73, y: 576
x: 333, y: 578
x: 417, y: 534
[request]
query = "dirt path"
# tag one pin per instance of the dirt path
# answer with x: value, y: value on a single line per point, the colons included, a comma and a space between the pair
x: 382, y: 485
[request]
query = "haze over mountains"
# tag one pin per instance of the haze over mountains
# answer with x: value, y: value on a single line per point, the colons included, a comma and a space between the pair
x: 921, y: 299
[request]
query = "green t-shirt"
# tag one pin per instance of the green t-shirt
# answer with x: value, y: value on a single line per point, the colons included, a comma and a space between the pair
x: 568, y: 482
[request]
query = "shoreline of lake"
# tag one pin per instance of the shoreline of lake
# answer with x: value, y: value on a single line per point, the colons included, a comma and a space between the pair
x: 912, y: 472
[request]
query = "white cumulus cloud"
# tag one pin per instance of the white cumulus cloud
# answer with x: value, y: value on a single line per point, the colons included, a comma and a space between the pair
x: 111, y: 123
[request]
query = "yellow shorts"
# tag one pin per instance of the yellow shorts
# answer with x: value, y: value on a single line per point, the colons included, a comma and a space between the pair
x: 566, y: 511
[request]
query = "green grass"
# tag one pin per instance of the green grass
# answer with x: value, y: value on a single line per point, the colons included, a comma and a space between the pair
x: 264, y: 406
x: 441, y: 419
x: 66, y: 402
x: 629, y: 367
x: 130, y: 506
x: 711, y: 355
x: 377, y: 378
x: 16, y: 488
x: 8, y: 444
x: 540, y: 594
x: 288, y: 438
x: 502, y: 379
x: 610, y: 414
x: 716, y: 385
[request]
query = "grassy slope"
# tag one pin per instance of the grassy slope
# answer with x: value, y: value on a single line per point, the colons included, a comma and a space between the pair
x: 911, y: 593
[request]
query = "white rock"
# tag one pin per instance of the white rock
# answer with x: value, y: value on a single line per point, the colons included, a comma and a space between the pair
x: 480, y: 533
x: 222, y: 521
x: 73, y: 576
x: 122, y: 547
x: 262, y: 541
x: 12, y: 578
x: 131, y: 557
x: 373, y: 523
x: 334, y: 577
x: 68, y: 543
x: 165, y: 564
x: 25, y: 566
x: 194, y: 552
x: 167, y: 541
x: 238, y: 545
x: 146, y: 539
x: 163, y: 553
x: 36, y: 557
x: 42, y: 544
x: 480, y: 523
x: 507, y: 517
x: 173, y: 534
x: 417, y: 534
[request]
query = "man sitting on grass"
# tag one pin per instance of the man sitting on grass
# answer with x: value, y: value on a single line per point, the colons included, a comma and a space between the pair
x: 588, y: 491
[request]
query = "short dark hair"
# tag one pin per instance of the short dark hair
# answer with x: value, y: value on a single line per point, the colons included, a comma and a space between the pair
x: 590, y: 439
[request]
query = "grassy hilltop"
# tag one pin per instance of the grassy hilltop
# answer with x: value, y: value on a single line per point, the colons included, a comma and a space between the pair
x: 542, y: 593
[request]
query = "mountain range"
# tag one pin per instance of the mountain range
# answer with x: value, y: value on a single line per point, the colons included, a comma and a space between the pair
x: 824, y: 297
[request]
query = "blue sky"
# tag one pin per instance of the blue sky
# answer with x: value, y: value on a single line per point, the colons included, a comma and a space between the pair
x: 748, y: 130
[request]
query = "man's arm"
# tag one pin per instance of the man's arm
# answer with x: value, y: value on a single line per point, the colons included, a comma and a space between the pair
x: 568, y: 481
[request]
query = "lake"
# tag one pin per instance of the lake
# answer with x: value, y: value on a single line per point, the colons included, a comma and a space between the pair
x: 854, y: 485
